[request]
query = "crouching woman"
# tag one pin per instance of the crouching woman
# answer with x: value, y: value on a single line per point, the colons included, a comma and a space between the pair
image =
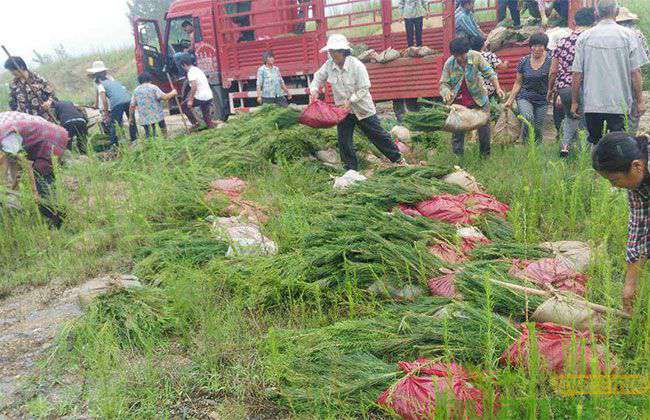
x: 623, y: 161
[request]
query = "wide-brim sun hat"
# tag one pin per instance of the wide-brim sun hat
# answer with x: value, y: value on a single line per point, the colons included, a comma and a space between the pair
x: 98, y: 67
x: 624, y: 15
x: 336, y: 42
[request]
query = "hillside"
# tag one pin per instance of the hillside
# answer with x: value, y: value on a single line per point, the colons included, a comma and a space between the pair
x: 70, y: 79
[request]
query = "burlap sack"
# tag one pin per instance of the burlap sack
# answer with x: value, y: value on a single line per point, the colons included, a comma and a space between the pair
x: 388, y: 55
x: 368, y: 56
x: 507, y: 129
x: 462, y: 119
x: 570, y: 313
x: 8, y: 172
x: 464, y: 180
x: 576, y: 254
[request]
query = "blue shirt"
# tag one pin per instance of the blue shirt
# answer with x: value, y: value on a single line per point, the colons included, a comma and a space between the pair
x: 116, y: 93
x: 270, y: 81
x: 465, y: 23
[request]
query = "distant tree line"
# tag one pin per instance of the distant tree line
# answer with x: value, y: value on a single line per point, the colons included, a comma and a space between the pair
x: 149, y: 9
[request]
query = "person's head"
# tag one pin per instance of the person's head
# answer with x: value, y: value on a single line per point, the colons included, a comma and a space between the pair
x: 467, y: 4
x: 608, y: 9
x: 477, y: 43
x: 338, y: 47
x: 100, y: 77
x: 585, y: 17
x: 538, y: 44
x: 188, y: 27
x: 626, y: 18
x: 268, y: 58
x: 459, y: 47
x: 16, y: 65
x: 185, y: 62
x: 339, y: 56
x: 145, y: 77
x: 622, y: 159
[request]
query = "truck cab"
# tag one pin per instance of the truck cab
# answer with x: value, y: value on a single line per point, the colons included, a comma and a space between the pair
x: 188, y: 28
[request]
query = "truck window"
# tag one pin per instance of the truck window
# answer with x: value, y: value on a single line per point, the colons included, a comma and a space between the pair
x: 149, y: 36
x: 179, y: 40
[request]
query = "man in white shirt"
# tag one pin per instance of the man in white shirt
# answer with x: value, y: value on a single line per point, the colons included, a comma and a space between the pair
x: 200, y: 94
x: 351, y: 88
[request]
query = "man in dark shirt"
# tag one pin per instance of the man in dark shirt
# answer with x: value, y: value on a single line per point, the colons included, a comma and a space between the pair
x: 73, y: 120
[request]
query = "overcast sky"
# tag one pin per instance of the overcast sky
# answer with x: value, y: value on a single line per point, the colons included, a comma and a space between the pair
x: 80, y: 25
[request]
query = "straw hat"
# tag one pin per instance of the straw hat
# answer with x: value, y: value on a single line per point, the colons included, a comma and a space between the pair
x: 624, y: 15
x: 98, y: 67
x: 336, y: 42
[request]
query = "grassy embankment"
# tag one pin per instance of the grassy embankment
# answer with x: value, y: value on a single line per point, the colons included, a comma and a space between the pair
x: 200, y: 330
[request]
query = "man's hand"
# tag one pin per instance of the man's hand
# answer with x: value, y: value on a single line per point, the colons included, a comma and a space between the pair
x: 448, y: 97
x: 509, y: 103
x: 313, y: 97
x: 190, y: 103
x: 500, y: 93
x: 174, y: 92
x: 259, y: 99
x: 574, y: 110
x: 347, y: 105
x: 289, y: 96
x: 640, y: 109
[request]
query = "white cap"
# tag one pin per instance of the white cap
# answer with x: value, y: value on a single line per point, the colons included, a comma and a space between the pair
x: 624, y: 15
x: 336, y: 42
x: 98, y: 67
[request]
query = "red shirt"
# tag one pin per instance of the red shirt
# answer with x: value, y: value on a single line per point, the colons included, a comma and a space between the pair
x: 41, y: 138
x: 464, y: 98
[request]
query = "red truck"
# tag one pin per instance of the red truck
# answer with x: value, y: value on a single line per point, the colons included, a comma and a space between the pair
x: 230, y: 36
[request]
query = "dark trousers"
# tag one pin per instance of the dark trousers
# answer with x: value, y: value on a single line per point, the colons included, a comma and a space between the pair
x: 414, y: 31
x: 596, y: 124
x: 77, y: 131
x: 484, y: 141
x: 279, y: 101
x: 513, y: 6
x: 400, y: 106
x: 117, y: 117
x: 206, y: 111
x: 44, y: 186
x: 150, y: 130
x: 558, y: 116
x: 372, y: 128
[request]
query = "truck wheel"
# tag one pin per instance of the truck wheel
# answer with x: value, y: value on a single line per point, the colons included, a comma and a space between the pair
x: 221, y: 107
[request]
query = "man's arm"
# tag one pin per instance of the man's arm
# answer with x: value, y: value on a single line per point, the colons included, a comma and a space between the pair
x: 576, y: 87
x: 636, y: 249
x: 362, y: 82
x: 260, y: 84
x: 319, y: 80
x: 637, y: 87
x: 445, y: 79
x: 194, y: 86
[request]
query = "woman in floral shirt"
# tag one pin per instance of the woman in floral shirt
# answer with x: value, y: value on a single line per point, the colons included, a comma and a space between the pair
x: 28, y: 91
x: 561, y: 78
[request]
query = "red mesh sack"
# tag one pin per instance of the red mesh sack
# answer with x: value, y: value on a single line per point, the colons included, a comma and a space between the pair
x: 230, y: 187
x: 446, y: 208
x: 562, y: 349
x: 322, y: 115
x: 443, y: 286
x: 447, y: 253
x: 550, y: 271
x: 408, y: 210
x: 479, y: 203
x: 414, y: 396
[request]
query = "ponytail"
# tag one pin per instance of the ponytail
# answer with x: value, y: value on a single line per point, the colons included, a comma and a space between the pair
x: 617, y: 151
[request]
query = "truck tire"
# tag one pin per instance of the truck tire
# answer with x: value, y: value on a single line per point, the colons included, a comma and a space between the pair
x: 221, y: 110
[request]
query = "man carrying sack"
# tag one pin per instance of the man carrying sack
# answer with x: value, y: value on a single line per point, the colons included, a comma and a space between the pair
x: 351, y: 88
